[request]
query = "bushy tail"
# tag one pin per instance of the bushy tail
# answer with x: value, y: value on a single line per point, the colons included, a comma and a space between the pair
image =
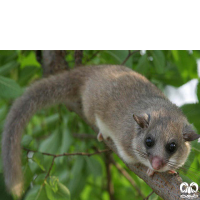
x: 46, y: 92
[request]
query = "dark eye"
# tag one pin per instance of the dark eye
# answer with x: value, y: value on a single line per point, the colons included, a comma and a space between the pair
x: 149, y: 142
x: 171, y: 147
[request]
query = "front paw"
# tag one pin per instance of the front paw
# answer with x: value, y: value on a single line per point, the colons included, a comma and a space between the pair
x: 150, y: 172
x: 172, y: 172
x: 100, y: 137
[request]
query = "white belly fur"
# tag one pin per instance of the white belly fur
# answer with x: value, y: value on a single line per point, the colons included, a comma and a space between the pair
x: 106, y: 132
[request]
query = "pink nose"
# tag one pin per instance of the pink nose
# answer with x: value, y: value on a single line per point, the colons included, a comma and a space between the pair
x: 156, y: 163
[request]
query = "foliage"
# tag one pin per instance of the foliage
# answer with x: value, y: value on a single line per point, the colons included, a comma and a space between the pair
x: 51, y: 130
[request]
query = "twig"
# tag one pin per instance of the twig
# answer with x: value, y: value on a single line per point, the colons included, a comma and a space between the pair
x: 38, y: 54
x: 65, y: 154
x: 127, y: 176
x: 129, y: 55
x: 49, y: 170
x: 149, y: 195
x: 78, y: 55
x: 110, y: 187
x: 92, y: 56
x: 84, y: 136
x: 70, y: 154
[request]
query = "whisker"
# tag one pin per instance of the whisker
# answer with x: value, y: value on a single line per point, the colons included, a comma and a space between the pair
x: 172, y: 164
x: 183, y: 169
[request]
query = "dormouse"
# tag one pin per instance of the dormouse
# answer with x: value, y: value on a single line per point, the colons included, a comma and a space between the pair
x: 123, y: 105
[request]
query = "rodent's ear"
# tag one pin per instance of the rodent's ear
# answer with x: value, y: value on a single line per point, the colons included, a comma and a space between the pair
x: 189, y: 134
x: 143, y: 120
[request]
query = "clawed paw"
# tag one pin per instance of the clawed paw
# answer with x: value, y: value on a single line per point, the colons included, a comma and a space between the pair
x: 172, y: 172
x: 150, y: 172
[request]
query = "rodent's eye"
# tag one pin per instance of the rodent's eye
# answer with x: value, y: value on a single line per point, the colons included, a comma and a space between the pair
x: 149, y: 142
x: 171, y: 147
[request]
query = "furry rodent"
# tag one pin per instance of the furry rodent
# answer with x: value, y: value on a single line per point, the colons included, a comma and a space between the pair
x: 144, y: 125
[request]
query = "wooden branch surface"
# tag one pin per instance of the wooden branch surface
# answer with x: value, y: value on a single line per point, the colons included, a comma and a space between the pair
x: 165, y: 185
x: 53, y: 62
x: 78, y: 55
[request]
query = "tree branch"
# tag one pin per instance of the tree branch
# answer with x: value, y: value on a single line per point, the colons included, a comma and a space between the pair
x: 66, y: 154
x: 48, y: 173
x: 78, y: 55
x: 38, y: 54
x: 129, y: 55
x: 69, y: 154
x: 149, y: 195
x: 110, y: 187
x: 53, y: 62
x: 92, y: 56
x: 165, y: 185
x: 84, y: 136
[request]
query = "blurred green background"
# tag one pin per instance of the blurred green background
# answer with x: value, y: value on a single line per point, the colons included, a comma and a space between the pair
x: 55, y: 130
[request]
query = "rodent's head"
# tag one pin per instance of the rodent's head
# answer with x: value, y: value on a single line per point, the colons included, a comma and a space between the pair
x: 162, y: 141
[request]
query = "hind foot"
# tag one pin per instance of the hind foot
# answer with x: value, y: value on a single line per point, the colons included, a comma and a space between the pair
x: 100, y: 137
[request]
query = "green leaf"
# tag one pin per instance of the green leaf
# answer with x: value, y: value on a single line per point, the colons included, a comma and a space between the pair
x: 78, y: 166
x: 3, y: 112
x: 93, y: 166
x: 186, y: 63
x: 153, y: 197
x: 77, y: 184
x: 27, y: 73
x: 186, y: 179
x: 53, y: 181
x: 196, y: 53
x: 27, y: 173
x: 7, y: 67
x: 143, y: 65
x: 79, y: 177
x: 39, y: 159
x: 172, y: 76
x: 56, y: 190
x: 6, y: 52
x: 158, y: 61
x: 35, y: 169
x: 37, y: 193
x: 26, y: 140
x: 40, y: 179
x: 29, y: 60
x: 192, y: 111
x: 67, y: 141
x: 1, y: 165
x: 198, y: 91
x: 51, y: 144
x: 119, y: 56
x: 48, y: 124
x: 9, y: 88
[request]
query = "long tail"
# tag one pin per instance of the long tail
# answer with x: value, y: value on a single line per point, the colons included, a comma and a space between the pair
x: 46, y: 92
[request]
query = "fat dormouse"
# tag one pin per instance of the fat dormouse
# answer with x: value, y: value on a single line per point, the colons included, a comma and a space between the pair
x: 124, y: 106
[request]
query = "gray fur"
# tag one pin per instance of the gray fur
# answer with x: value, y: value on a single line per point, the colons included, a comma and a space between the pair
x: 114, y: 93
x: 49, y: 91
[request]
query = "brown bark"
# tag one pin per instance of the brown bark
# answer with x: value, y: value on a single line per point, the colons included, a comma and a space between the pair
x: 110, y: 187
x: 53, y: 62
x: 78, y: 55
